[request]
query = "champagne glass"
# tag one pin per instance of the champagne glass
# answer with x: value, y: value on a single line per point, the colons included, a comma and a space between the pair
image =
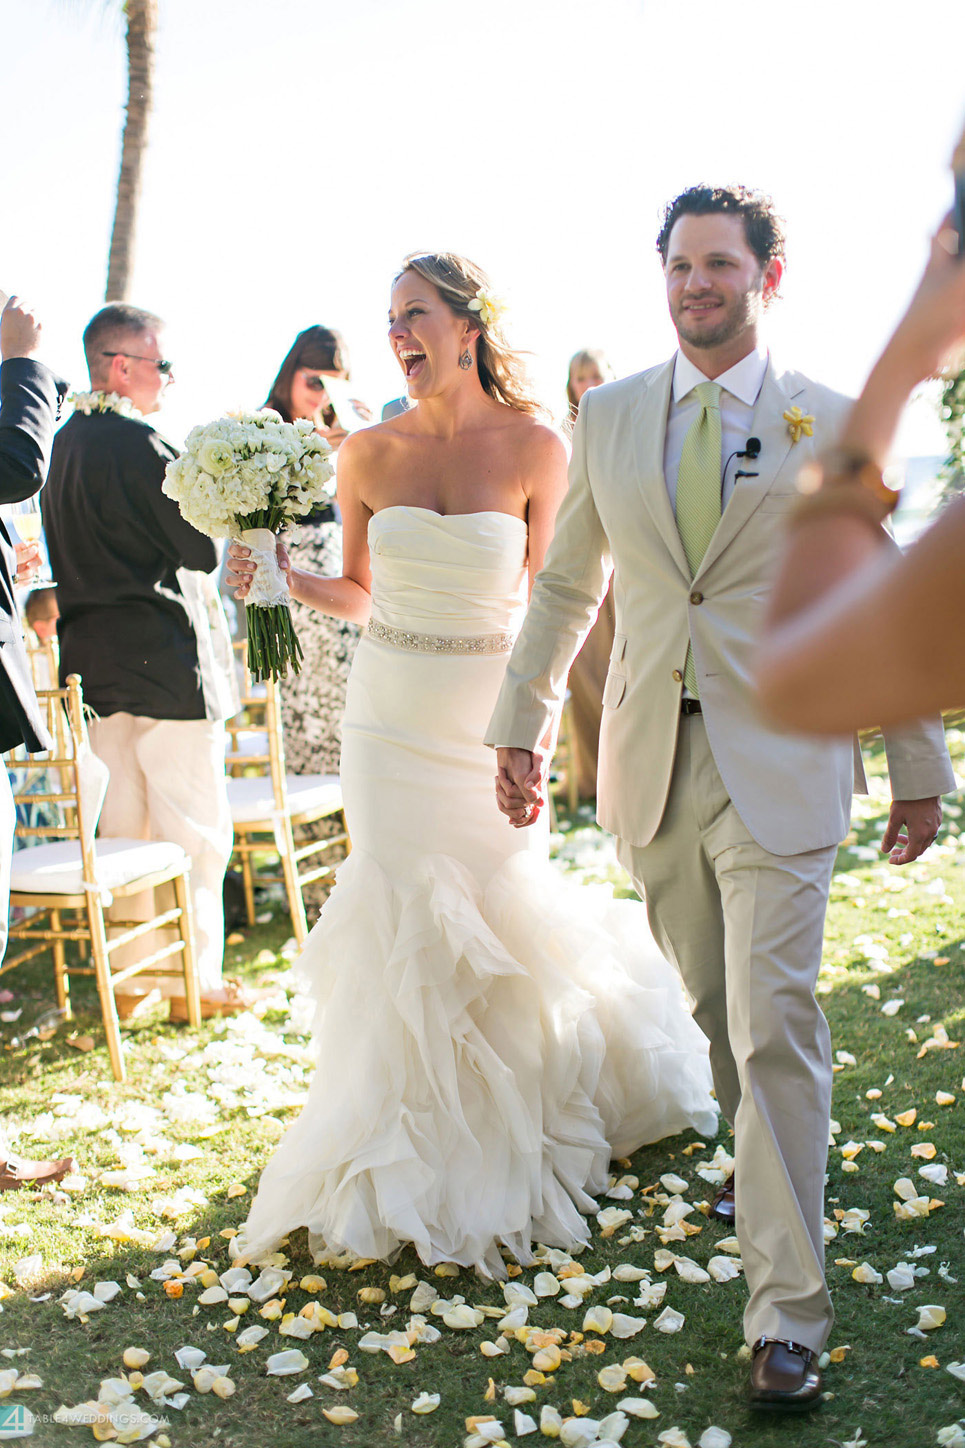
x: 27, y: 520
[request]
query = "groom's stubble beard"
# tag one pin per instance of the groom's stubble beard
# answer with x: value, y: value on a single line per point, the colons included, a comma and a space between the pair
x: 742, y: 313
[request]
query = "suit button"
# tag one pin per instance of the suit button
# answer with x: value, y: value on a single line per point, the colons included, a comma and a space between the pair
x: 678, y: 677
x: 696, y: 598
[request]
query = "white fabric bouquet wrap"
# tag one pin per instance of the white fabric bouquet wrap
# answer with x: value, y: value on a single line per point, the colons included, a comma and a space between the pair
x: 247, y: 476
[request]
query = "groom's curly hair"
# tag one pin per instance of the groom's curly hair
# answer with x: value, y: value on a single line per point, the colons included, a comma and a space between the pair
x: 763, y: 228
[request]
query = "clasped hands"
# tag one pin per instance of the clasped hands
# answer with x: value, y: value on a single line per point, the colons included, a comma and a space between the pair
x: 520, y: 785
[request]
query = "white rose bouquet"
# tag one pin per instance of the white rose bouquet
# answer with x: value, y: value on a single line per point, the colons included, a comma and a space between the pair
x: 247, y: 477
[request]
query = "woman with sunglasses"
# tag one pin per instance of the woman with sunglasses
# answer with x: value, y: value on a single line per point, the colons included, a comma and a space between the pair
x: 313, y: 701
x: 487, y: 1037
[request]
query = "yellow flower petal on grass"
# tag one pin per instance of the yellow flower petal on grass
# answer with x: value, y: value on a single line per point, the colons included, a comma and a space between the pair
x: 944, y: 1098
x: 924, y: 1150
x: 930, y: 1361
x: 907, y: 1118
x: 867, y: 1275
x: 612, y: 1379
x: 135, y: 1357
x: 930, y: 1317
x: 547, y: 1359
x: 426, y: 1403
x: 340, y: 1415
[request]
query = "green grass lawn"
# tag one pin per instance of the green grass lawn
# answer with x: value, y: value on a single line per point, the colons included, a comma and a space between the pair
x: 171, y: 1159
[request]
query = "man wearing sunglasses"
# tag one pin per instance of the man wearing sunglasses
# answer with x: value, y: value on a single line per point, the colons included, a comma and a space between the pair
x: 142, y: 623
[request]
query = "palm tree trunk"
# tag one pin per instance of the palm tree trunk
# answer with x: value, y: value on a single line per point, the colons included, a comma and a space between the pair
x: 141, y: 35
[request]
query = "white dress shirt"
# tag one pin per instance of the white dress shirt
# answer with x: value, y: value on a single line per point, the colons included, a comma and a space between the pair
x: 740, y: 386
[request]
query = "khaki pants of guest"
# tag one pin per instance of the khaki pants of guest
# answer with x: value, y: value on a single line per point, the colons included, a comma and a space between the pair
x: 745, y: 929
x: 168, y: 783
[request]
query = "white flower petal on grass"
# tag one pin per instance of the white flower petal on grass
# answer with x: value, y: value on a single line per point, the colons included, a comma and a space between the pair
x: 673, y: 1184
x: 930, y: 1317
x: 669, y: 1320
x: 628, y: 1272
x: 729, y: 1244
x: 160, y: 1385
x: 613, y: 1427
x: 546, y: 1284
x: 937, y: 1174
x: 268, y: 1284
x: 611, y: 1218
x: 518, y: 1294
x: 578, y: 1432
x: 212, y: 1295
x: 951, y: 1437
x: 638, y: 1408
x: 281, y: 1364
x: 673, y: 1438
x: 298, y: 1327
x: 724, y: 1269
x: 426, y: 1403
x: 301, y: 1393
x: 714, y: 1438
x: 79, y: 1304
x: 423, y: 1297
x: 690, y: 1270
x: 523, y: 1424
x: 624, y: 1325
x: 131, y: 1424
x: 236, y: 1279
x: 867, y: 1275
x: 463, y: 1316
x: 651, y: 1294
x: 190, y: 1358
x: 516, y: 1396
x: 597, y: 1319
x: 957, y: 1370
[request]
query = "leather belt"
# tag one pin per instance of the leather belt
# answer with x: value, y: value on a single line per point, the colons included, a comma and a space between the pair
x: 690, y: 706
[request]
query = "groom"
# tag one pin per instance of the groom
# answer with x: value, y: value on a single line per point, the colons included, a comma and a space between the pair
x: 681, y: 480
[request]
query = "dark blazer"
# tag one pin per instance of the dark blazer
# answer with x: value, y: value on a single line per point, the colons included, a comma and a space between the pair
x: 116, y: 543
x: 30, y: 398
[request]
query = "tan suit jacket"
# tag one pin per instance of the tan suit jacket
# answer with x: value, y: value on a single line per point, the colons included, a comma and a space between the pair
x: 793, y: 793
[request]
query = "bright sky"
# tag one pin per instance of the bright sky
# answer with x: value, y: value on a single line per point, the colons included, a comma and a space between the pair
x: 300, y: 149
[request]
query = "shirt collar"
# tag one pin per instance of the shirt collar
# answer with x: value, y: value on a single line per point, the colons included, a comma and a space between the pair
x: 743, y: 381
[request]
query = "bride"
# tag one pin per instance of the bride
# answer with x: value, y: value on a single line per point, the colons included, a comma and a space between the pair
x: 487, y: 1037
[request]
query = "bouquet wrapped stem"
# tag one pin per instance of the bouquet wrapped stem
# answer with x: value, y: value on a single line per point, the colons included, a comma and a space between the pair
x: 273, y: 647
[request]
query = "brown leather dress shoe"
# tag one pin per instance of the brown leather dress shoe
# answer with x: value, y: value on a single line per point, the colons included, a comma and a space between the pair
x: 16, y: 1172
x: 722, y: 1207
x: 785, y: 1377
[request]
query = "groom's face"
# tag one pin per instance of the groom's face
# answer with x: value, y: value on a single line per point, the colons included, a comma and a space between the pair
x: 716, y: 286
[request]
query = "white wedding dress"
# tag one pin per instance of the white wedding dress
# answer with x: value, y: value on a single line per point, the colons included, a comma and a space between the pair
x: 487, y: 1035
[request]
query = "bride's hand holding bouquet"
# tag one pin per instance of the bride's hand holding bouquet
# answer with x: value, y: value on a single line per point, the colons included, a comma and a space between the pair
x: 247, y: 477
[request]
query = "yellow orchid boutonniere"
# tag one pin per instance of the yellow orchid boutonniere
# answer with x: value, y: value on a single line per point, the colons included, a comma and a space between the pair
x: 491, y: 308
x: 799, y: 424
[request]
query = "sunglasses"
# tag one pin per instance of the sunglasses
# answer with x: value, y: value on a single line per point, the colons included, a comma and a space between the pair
x: 315, y: 384
x: 162, y: 365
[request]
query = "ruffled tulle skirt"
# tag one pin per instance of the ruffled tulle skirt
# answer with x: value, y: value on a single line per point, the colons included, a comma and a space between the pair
x: 481, y: 1056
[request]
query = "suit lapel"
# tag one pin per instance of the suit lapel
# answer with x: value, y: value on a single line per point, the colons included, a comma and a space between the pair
x: 778, y: 392
x: 648, y: 421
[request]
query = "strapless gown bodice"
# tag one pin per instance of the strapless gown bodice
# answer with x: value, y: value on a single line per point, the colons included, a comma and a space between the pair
x: 487, y: 1034
x: 454, y: 574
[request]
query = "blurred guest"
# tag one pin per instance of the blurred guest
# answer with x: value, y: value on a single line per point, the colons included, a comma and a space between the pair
x: 589, y: 368
x: 142, y: 625
x: 30, y: 398
x: 313, y: 701
x: 858, y: 633
x: 41, y: 612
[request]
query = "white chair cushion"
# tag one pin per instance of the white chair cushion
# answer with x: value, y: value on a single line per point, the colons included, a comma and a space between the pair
x: 251, y: 797
x: 57, y: 868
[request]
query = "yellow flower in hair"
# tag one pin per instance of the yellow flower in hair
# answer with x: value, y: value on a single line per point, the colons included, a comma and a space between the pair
x: 491, y: 308
x: 799, y: 424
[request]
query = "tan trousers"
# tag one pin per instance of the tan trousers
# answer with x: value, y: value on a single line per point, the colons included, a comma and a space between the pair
x: 745, y: 929
x: 168, y: 783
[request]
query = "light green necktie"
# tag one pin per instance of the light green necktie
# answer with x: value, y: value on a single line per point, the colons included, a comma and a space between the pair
x: 698, y: 490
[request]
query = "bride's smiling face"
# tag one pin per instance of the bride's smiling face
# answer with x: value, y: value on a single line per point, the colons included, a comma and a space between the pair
x: 426, y: 336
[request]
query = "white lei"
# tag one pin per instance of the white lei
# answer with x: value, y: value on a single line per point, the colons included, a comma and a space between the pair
x: 88, y: 402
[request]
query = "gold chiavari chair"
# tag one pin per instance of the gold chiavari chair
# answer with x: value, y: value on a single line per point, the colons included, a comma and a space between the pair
x: 68, y: 879
x: 268, y: 805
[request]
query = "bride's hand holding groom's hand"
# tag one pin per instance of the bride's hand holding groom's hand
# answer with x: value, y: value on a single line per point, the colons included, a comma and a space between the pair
x: 240, y: 569
x: 520, y: 785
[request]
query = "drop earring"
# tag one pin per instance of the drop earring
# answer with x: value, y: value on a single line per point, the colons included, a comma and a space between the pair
x: 465, y: 361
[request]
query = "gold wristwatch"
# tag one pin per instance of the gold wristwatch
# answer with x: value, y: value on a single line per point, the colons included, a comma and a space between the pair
x: 844, y: 480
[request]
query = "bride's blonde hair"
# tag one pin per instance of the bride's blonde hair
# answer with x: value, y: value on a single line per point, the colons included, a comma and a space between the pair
x: 502, y: 371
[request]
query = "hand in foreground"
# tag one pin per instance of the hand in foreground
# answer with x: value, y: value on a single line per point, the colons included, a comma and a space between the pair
x: 519, y: 786
x: 240, y: 569
x: 912, y: 827
x: 19, y: 330
x: 933, y: 327
x: 29, y: 561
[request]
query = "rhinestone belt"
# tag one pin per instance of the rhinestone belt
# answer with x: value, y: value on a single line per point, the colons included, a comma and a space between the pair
x: 418, y: 643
